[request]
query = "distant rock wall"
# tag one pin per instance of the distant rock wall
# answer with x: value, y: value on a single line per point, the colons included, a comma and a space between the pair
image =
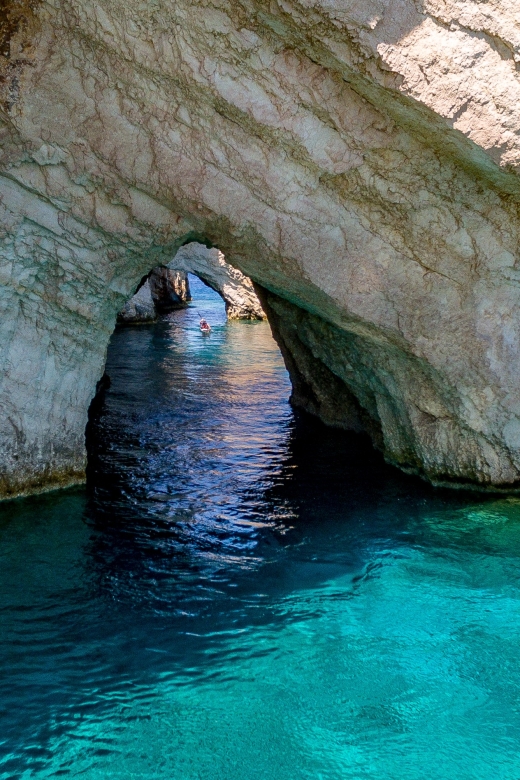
x: 236, y: 289
x: 140, y: 308
x: 170, y: 289
x: 162, y: 291
x: 167, y: 289
x: 357, y: 159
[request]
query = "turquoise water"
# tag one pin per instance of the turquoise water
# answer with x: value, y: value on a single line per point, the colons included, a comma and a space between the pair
x: 241, y: 593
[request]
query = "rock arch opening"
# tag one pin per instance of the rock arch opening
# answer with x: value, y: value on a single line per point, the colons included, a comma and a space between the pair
x: 166, y: 288
x: 167, y: 386
x: 343, y: 180
x: 317, y: 386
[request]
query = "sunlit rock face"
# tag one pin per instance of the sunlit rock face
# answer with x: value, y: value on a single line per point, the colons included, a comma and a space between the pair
x: 357, y: 159
x: 236, y: 289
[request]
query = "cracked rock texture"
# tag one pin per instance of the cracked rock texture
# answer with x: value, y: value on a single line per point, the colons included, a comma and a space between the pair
x: 357, y: 159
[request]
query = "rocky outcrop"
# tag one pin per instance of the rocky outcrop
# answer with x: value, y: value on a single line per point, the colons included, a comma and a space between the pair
x: 140, y: 308
x: 162, y: 291
x: 236, y: 289
x: 170, y: 289
x: 357, y: 160
x: 167, y: 288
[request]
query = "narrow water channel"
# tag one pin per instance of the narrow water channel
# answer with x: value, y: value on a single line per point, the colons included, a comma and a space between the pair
x: 242, y: 594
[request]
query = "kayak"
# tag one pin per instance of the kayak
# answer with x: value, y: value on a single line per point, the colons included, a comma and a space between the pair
x: 205, y: 328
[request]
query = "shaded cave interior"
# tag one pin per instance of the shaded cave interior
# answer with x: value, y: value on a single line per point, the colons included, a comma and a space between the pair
x: 316, y: 389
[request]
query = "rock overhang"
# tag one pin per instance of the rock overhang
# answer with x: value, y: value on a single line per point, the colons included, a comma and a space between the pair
x: 356, y: 159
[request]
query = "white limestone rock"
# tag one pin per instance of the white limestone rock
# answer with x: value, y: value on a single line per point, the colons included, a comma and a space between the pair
x: 357, y: 159
x: 140, y: 308
x: 236, y: 289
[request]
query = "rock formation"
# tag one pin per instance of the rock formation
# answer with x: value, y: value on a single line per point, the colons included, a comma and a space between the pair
x: 357, y: 159
x: 236, y: 289
x: 170, y: 289
x: 140, y: 308
x: 167, y: 289
x: 162, y: 291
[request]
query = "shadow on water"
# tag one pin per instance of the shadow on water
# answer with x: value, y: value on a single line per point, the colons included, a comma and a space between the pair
x: 228, y: 551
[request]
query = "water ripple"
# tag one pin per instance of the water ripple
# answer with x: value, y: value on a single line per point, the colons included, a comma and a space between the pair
x: 244, y: 594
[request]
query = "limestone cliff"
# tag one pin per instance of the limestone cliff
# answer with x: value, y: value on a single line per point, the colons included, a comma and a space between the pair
x: 358, y: 159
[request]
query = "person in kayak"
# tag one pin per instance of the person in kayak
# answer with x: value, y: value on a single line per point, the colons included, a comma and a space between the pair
x: 204, y: 326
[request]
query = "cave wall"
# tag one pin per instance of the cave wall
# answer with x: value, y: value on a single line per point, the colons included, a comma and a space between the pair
x: 399, y: 401
x: 358, y: 160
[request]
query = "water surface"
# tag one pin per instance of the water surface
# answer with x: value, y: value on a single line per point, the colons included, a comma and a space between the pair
x: 242, y: 593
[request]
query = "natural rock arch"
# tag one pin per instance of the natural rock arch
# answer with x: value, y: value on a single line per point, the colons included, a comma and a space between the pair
x: 358, y: 163
x: 167, y: 287
x: 210, y: 265
x: 162, y: 291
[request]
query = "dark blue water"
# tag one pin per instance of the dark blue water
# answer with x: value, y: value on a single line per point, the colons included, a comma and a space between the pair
x: 242, y: 593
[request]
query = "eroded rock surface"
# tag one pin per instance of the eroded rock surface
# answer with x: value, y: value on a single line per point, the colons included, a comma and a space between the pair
x: 358, y: 159
x: 236, y: 289
x: 170, y: 289
x: 162, y: 291
x: 140, y: 307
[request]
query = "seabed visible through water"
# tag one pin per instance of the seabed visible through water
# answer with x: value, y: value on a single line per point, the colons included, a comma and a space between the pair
x: 242, y: 593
